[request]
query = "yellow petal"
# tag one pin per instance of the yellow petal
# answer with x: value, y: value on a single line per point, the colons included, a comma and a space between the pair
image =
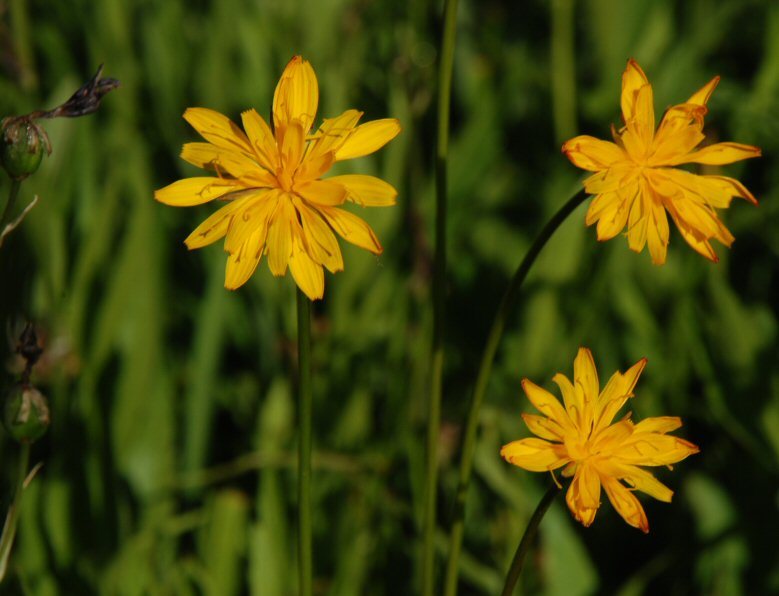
x: 719, y: 154
x: 314, y: 166
x: 242, y: 263
x: 645, y: 482
x: 215, y: 226
x: 654, y: 449
x: 261, y: 139
x: 593, y: 154
x: 296, y: 96
x: 732, y: 187
x: 573, y: 398
x: 706, y: 189
x: 367, y: 191
x: 225, y: 161
x: 351, y: 228
x: 626, y: 504
x: 616, y: 392
x: 546, y: 403
x: 658, y: 424
x: 642, y: 123
x: 633, y: 79
x: 280, y: 237
x: 613, y: 220
x: 368, y: 137
x: 334, y: 132
x: 680, y: 132
x: 702, y: 95
x: 291, y: 146
x: 322, y: 192
x: 610, y: 179
x: 657, y: 233
x: 585, y: 375
x: 320, y: 239
x: 583, y: 496
x: 535, y: 455
x: 543, y: 427
x: 700, y: 218
x: 254, y: 215
x: 218, y: 129
x: 638, y: 218
x: 308, y: 275
x: 195, y: 191
x: 694, y: 238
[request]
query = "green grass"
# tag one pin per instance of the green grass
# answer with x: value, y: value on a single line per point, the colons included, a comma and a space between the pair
x: 170, y: 464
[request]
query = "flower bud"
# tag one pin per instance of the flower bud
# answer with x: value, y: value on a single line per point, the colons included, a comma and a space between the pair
x: 26, y: 413
x: 22, y: 146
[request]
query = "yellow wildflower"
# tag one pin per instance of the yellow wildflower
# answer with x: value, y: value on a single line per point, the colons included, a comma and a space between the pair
x: 277, y: 203
x: 581, y: 437
x: 635, y: 179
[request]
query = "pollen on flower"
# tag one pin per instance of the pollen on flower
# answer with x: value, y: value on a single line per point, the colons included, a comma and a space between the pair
x: 581, y: 436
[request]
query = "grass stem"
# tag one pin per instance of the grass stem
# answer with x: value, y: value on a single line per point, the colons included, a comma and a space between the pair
x: 445, y: 66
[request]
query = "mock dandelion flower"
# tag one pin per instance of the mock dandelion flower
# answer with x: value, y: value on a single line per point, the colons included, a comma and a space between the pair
x: 270, y: 179
x: 597, y: 452
x: 636, y: 181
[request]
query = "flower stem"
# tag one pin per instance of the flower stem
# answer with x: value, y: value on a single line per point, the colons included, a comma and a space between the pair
x: 445, y: 66
x: 507, y: 304
x: 9, y: 529
x: 304, y: 443
x: 527, y: 538
x: 9, y: 206
x: 563, y: 58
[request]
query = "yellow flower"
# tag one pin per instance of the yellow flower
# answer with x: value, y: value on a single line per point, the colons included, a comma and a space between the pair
x: 277, y: 203
x: 635, y: 179
x: 581, y: 437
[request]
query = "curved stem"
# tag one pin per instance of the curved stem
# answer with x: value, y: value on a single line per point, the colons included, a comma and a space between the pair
x: 488, y: 357
x: 527, y: 539
x: 9, y: 529
x: 9, y: 206
x: 304, y: 444
x: 439, y: 297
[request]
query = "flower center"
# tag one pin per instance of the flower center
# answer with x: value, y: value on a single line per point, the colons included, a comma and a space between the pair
x: 578, y: 449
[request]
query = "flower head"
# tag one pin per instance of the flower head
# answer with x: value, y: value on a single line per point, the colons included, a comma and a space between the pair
x: 596, y: 451
x: 635, y: 179
x: 270, y: 179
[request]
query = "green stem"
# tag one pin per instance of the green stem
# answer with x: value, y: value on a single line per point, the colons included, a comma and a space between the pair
x: 445, y: 67
x: 304, y: 443
x: 9, y: 206
x: 488, y: 357
x: 562, y: 69
x: 527, y: 539
x: 9, y: 529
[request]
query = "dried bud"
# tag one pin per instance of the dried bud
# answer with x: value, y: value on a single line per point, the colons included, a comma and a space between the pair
x: 23, y: 143
x: 86, y: 100
x: 26, y: 413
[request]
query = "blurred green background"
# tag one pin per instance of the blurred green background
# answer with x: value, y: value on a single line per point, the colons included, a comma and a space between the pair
x: 170, y: 464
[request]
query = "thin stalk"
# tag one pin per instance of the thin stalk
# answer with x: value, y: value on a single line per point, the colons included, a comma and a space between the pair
x: 9, y: 529
x: 527, y: 539
x: 304, y: 444
x: 445, y: 67
x: 563, y: 66
x: 507, y: 304
x: 9, y: 206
